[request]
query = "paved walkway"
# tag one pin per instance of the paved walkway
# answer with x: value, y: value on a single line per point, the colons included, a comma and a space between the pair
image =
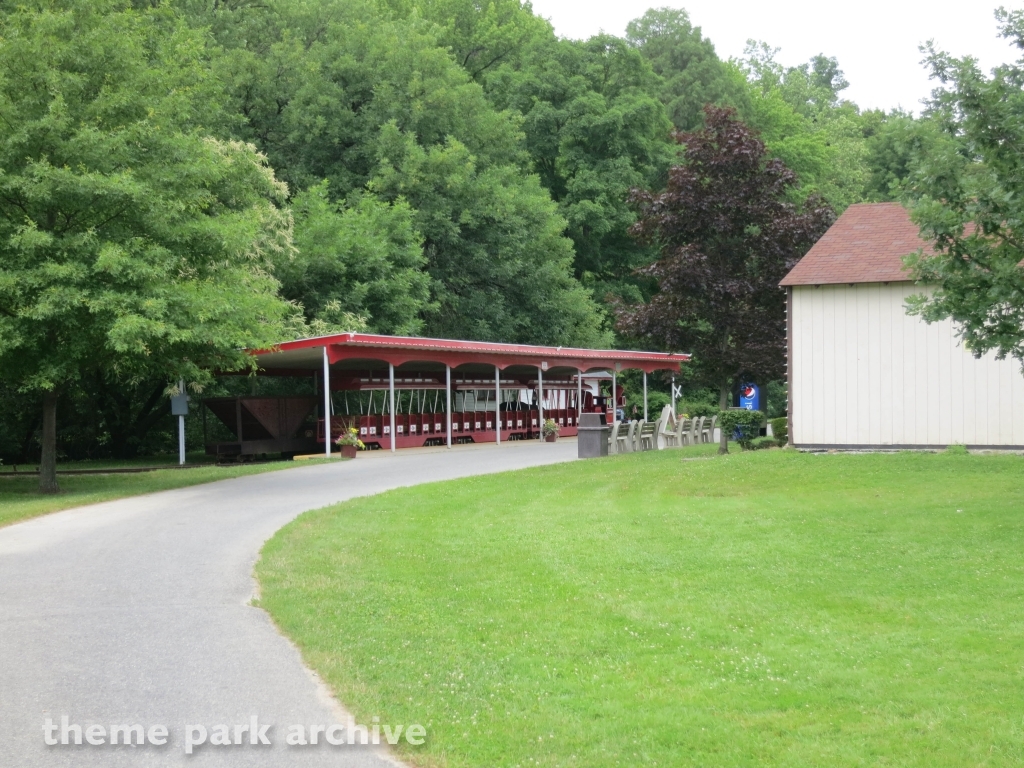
x: 136, y: 611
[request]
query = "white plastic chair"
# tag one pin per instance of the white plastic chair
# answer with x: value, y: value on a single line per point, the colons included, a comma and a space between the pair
x: 613, y: 439
x: 624, y: 443
x: 630, y: 441
x: 684, y: 429
x: 698, y: 429
x: 647, y: 435
x: 681, y: 434
x: 710, y: 429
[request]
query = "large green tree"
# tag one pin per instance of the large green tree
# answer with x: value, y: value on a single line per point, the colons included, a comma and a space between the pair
x: 594, y: 130
x: 968, y: 197
x: 130, y: 242
x: 363, y: 258
x: 804, y: 122
x: 897, y: 142
x: 691, y: 73
x: 368, y: 99
x: 503, y: 269
x: 482, y: 36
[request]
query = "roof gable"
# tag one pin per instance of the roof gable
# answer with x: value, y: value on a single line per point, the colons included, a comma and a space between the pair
x: 865, y: 245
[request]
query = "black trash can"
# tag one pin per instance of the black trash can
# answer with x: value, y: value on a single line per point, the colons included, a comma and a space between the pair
x: 593, y: 436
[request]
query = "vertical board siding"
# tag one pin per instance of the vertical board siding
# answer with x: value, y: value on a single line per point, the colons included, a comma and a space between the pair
x: 865, y: 373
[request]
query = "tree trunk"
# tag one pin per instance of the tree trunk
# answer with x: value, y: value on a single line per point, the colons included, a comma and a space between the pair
x: 723, y: 403
x: 48, y: 461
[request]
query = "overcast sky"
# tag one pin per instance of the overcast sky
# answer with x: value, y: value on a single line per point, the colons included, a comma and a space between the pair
x: 876, y: 42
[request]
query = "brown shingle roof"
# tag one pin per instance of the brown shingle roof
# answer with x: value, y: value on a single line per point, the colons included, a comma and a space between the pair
x: 865, y: 245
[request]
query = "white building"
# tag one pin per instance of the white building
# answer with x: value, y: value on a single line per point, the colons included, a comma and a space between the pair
x: 864, y: 374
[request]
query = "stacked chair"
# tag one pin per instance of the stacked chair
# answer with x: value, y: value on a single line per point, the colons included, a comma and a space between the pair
x: 667, y: 432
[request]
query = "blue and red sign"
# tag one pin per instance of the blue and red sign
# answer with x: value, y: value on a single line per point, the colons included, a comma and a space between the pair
x: 750, y: 397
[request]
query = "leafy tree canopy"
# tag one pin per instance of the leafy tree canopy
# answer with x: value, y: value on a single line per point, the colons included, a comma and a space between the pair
x: 370, y: 101
x: 593, y: 132
x: 358, y: 264
x: 481, y: 36
x: 805, y: 124
x: 967, y: 196
x: 501, y: 267
x: 691, y: 73
x: 129, y: 240
x: 897, y: 143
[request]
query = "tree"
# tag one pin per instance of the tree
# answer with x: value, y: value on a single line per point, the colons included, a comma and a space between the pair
x: 130, y: 242
x: 364, y: 258
x: 804, y: 123
x: 371, y: 102
x: 501, y: 267
x: 594, y: 130
x: 482, y: 36
x: 691, y: 72
x: 968, y: 200
x: 727, y: 235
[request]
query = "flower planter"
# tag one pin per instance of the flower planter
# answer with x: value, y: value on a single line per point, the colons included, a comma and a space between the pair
x: 348, y: 451
x: 550, y: 438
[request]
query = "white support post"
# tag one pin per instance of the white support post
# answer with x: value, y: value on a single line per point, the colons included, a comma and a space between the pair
x: 673, y: 396
x: 540, y: 399
x: 181, y: 429
x: 391, y: 394
x: 645, y: 395
x: 497, y: 406
x: 448, y: 400
x: 579, y: 395
x: 615, y: 404
x: 327, y: 405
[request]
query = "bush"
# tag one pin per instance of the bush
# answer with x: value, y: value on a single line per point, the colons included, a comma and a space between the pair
x: 777, y: 400
x: 767, y: 442
x: 742, y: 425
x: 655, y: 402
x: 696, y: 409
x: 780, y: 429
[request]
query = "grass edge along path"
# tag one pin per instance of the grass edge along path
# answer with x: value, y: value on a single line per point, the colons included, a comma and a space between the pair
x: 20, y: 500
x: 768, y: 608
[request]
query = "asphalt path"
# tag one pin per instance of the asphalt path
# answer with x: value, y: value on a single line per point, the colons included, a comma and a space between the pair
x: 138, y: 611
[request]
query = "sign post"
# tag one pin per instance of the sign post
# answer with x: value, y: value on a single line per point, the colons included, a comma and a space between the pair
x: 179, y: 408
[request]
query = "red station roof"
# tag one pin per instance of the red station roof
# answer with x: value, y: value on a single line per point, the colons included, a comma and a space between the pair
x: 354, y: 349
x: 865, y: 245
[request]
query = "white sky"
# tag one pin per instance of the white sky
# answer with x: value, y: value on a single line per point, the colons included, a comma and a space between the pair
x: 876, y: 42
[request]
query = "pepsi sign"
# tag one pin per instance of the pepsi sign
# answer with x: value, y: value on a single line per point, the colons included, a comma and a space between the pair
x: 750, y: 397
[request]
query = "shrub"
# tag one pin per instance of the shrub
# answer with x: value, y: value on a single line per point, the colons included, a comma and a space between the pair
x: 780, y: 429
x: 767, y: 442
x: 696, y: 410
x: 743, y: 425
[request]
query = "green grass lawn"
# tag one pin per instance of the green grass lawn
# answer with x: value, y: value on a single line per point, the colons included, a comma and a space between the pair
x: 145, y: 461
x: 768, y: 609
x: 20, y: 498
